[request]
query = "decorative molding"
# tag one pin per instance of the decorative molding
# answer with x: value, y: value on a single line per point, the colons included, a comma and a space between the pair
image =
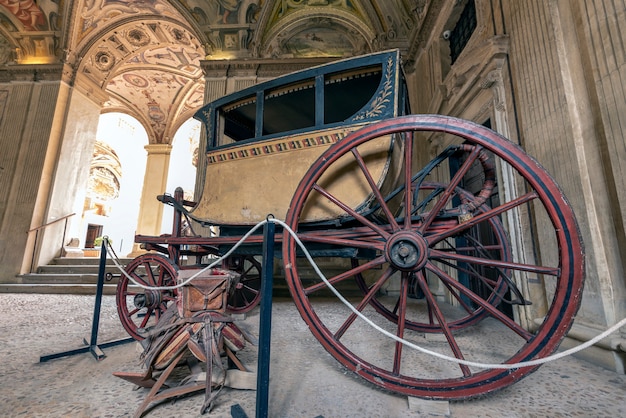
x: 32, y: 73
x: 259, y: 149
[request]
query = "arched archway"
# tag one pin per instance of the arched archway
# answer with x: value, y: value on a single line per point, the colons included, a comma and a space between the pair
x: 120, y: 139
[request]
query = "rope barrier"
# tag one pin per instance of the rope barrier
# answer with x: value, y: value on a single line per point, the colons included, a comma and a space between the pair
x: 530, y: 363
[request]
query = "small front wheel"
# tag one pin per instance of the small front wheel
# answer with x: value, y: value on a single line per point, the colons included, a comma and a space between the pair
x: 139, y: 308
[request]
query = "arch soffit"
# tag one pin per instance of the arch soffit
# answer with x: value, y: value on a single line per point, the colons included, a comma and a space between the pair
x: 303, y: 23
x: 149, y: 69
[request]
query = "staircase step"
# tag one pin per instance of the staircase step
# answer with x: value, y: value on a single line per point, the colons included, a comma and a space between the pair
x: 90, y: 261
x: 59, y: 288
x: 75, y: 269
x: 80, y: 275
x: 63, y: 278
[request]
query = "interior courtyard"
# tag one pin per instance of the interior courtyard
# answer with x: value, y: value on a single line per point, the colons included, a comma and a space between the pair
x: 107, y: 104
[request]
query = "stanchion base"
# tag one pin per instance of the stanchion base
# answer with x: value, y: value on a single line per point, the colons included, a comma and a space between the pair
x: 95, y: 350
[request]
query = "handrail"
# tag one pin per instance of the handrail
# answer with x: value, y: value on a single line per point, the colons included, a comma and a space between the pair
x: 32, y: 261
x: 50, y: 223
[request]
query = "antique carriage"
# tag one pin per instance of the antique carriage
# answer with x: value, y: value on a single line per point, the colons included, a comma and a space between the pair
x: 431, y: 245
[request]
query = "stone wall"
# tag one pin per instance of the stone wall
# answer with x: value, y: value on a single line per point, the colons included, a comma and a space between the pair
x: 550, y: 76
x: 27, y: 115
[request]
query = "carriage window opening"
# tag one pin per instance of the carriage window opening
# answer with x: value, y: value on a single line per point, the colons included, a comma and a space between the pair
x: 239, y: 119
x: 289, y: 107
x: 347, y: 92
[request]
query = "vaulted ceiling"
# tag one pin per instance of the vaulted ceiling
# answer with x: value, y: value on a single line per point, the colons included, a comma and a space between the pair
x: 143, y: 57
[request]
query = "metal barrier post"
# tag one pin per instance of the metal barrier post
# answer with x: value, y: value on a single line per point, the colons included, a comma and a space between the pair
x: 92, y: 345
x: 265, y: 328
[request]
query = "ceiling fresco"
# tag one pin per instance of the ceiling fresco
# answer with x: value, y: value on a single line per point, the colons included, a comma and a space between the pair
x: 144, y: 56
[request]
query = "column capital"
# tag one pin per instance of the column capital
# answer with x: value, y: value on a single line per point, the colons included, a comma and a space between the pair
x: 158, y: 148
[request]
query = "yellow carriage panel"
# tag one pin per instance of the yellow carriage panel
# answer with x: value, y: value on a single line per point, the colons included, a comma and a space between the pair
x: 262, y: 140
x: 273, y: 170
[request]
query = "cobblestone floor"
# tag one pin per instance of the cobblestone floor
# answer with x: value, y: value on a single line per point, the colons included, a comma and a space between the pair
x: 305, y: 380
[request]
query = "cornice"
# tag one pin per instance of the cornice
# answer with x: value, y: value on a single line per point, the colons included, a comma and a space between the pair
x: 257, y: 67
x: 31, y: 72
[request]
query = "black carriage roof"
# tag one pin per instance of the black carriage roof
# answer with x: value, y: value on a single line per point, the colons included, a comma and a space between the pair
x: 358, y: 89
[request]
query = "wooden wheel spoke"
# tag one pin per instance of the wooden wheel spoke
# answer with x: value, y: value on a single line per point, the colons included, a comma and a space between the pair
x: 449, y: 190
x: 139, y: 279
x: 443, y: 323
x: 247, y: 271
x: 375, y: 189
x: 485, y: 216
x: 146, y: 318
x: 133, y: 311
x: 345, y: 242
x: 345, y: 275
x: 250, y: 289
x: 458, y: 297
x: 470, y: 271
x: 380, y: 231
x: 481, y: 302
x: 151, y: 281
x: 408, y: 178
x: 397, y: 356
x: 366, y: 300
x: 443, y: 255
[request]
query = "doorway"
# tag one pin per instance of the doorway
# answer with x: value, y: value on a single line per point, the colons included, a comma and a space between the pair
x: 93, y: 231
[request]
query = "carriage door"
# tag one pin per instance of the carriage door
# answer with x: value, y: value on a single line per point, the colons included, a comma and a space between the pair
x: 472, y: 182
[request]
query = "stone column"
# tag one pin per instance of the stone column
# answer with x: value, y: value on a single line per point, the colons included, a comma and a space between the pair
x: 154, y: 184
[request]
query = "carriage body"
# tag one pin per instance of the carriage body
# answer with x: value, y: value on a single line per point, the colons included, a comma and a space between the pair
x: 334, y: 152
x: 262, y: 140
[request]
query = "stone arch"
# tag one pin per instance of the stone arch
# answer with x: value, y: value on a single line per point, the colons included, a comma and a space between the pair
x: 323, y: 32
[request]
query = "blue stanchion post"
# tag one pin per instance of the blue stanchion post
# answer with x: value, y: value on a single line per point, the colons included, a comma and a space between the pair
x: 92, y: 346
x: 265, y: 328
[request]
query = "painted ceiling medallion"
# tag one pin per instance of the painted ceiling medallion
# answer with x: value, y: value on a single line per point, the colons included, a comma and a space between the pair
x: 137, y: 37
x: 104, y: 60
x: 180, y: 36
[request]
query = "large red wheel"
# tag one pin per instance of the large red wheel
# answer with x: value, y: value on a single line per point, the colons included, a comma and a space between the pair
x: 493, y: 282
x: 407, y: 237
x: 139, y: 309
x: 247, y: 294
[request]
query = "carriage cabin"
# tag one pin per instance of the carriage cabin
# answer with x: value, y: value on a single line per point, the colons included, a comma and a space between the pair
x: 275, y: 130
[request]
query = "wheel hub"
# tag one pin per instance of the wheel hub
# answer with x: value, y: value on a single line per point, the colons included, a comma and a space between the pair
x: 407, y: 251
x: 150, y: 299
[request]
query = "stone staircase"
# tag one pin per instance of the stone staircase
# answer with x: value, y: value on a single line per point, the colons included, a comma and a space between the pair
x: 66, y: 275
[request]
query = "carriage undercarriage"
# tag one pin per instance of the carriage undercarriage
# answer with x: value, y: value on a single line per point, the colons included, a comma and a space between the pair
x: 428, y: 256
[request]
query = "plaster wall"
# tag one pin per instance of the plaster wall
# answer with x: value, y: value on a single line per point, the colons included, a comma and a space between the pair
x: 71, y: 175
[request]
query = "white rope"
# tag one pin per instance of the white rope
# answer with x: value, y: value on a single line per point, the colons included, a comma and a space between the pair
x: 184, y: 283
x: 536, y: 362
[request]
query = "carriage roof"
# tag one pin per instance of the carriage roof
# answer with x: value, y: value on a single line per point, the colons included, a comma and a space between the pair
x: 349, y: 91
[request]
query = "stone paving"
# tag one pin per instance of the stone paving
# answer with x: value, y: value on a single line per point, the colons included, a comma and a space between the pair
x: 305, y: 380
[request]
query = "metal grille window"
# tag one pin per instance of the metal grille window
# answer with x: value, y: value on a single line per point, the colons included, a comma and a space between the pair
x: 463, y: 30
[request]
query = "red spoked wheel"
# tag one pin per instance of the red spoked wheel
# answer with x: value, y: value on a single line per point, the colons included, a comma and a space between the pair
x: 407, y: 236
x: 139, y: 309
x: 493, y: 282
x: 247, y: 293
